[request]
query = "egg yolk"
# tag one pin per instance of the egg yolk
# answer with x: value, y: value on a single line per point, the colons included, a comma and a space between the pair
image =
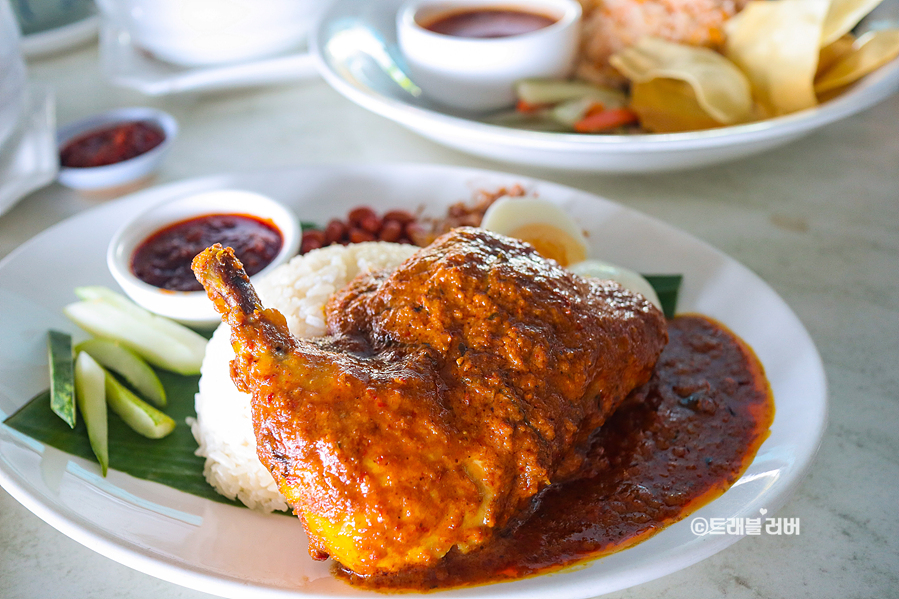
x: 551, y: 242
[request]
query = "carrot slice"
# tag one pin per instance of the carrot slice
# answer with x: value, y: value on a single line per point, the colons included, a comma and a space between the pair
x: 605, y: 120
x: 523, y: 106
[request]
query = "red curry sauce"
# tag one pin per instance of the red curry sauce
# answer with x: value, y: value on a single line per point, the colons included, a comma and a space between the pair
x: 675, y: 444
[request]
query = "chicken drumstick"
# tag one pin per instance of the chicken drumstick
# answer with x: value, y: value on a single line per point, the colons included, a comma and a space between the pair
x: 447, y: 395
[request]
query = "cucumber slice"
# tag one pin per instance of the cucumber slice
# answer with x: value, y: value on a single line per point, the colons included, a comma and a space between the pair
x: 62, y: 376
x: 141, y: 334
x: 90, y: 389
x: 187, y: 337
x: 138, y: 414
x: 134, y: 369
x: 570, y: 112
x: 551, y: 91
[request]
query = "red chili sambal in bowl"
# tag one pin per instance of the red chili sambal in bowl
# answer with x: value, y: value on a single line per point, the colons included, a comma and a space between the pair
x: 150, y: 255
x: 163, y: 259
x: 114, y: 148
x: 111, y: 144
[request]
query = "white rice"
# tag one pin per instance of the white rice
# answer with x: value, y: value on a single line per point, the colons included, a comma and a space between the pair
x: 224, y: 428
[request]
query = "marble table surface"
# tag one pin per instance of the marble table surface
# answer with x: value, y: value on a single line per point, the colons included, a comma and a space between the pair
x: 818, y: 220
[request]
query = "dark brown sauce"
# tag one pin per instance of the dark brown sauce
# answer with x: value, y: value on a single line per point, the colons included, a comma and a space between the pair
x: 111, y: 145
x: 488, y: 23
x: 163, y: 259
x: 678, y: 442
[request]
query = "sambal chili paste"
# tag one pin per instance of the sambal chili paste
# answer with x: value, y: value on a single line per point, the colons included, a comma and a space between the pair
x: 163, y: 259
x: 111, y: 145
x: 675, y: 444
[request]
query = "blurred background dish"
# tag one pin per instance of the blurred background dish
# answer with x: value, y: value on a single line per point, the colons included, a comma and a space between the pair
x: 38, y: 16
x: 161, y: 47
x: 126, y: 64
x: 50, y: 26
x: 213, y: 32
x: 356, y: 45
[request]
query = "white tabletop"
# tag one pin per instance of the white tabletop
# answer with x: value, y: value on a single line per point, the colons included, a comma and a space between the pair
x: 818, y: 220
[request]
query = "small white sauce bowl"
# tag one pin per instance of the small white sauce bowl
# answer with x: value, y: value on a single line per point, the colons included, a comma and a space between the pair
x: 194, y: 308
x: 478, y: 74
x: 120, y: 173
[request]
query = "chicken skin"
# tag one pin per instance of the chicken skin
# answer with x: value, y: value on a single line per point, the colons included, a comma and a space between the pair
x: 448, y: 393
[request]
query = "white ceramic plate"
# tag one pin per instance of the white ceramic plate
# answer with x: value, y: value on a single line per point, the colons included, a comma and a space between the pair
x: 347, y: 63
x: 234, y: 552
x: 127, y: 65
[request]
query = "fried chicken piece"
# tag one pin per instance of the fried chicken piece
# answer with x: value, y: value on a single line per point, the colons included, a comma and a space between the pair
x: 448, y: 393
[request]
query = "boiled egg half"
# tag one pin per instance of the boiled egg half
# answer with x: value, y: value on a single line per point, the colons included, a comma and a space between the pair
x: 541, y: 223
x: 554, y: 234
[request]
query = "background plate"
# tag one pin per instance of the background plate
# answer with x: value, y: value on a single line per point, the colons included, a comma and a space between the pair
x: 352, y: 71
x: 234, y: 552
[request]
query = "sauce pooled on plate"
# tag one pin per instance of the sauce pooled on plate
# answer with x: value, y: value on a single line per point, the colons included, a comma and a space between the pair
x: 676, y: 443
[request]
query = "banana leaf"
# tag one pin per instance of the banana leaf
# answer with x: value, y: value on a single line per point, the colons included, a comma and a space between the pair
x: 169, y: 461
x: 667, y: 288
